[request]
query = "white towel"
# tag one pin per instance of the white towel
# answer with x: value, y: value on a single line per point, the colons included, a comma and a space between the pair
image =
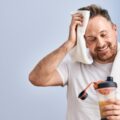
x: 115, y: 73
x: 80, y: 53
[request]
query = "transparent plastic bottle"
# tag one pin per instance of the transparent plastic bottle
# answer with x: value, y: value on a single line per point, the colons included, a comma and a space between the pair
x: 106, y: 90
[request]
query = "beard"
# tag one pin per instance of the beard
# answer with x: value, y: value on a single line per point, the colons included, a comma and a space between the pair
x: 105, y: 53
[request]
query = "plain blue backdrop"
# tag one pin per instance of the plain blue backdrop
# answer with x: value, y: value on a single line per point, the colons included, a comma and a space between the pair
x: 30, y: 29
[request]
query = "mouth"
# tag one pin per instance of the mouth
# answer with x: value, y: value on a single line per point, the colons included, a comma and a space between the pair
x: 103, y: 50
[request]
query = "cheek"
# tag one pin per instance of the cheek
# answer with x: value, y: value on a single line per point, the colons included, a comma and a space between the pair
x: 91, y: 47
x: 113, y: 37
x: 92, y: 51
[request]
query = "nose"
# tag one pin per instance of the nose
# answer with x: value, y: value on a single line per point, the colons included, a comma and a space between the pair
x: 100, y: 42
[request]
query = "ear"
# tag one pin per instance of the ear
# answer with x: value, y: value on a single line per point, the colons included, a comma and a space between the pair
x: 114, y: 26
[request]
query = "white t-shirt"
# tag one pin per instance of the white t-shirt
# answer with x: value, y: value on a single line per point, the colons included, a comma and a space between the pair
x: 77, y: 76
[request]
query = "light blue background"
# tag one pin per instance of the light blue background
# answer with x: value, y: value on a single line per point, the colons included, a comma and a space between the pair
x: 30, y: 29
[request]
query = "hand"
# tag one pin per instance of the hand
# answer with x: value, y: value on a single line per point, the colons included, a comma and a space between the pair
x: 77, y: 19
x: 112, y: 110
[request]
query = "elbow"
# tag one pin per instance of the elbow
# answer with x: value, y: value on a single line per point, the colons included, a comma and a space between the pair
x: 36, y: 80
x: 33, y: 79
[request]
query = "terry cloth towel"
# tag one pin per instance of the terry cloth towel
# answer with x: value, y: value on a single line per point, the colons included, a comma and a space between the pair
x: 115, y: 72
x: 80, y: 53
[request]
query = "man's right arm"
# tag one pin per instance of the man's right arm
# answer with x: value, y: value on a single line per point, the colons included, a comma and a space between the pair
x: 45, y: 72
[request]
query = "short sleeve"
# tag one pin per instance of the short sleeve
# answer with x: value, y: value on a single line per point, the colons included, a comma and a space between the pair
x: 63, y: 71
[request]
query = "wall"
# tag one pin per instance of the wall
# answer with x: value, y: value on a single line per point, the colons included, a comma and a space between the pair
x: 30, y: 29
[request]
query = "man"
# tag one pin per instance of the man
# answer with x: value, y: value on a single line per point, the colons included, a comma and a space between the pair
x: 101, y: 39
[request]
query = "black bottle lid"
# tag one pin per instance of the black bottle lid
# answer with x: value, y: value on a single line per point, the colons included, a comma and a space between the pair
x: 108, y: 83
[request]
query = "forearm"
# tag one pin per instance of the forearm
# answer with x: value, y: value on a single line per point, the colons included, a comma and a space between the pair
x: 52, y: 60
x: 45, y: 68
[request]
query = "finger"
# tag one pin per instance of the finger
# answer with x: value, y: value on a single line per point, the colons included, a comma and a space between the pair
x: 114, y: 101
x: 75, y: 23
x: 111, y: 107
x: 76, y: 18
x: 111, y: 113
x: 77, y: 15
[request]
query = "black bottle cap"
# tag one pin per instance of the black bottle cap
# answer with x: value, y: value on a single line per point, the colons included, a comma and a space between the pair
x: 109, y: 78
x: 108, y: 83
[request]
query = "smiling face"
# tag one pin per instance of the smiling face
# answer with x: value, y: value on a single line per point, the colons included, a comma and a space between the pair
x: 101, y: 39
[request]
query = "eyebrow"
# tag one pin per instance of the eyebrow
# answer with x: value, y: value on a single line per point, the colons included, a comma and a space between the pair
x: 103, y: 31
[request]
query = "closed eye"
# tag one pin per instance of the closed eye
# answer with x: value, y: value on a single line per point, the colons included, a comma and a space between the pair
x: 104, y: 35
x: 90, y: 39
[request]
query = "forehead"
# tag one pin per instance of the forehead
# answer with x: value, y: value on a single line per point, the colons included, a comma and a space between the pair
x: 97, y: 24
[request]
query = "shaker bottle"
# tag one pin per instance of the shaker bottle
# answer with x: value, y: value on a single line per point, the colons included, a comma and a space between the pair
x: 106, y: 90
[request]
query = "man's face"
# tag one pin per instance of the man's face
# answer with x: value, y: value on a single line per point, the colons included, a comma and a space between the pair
x: 101, y: 39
